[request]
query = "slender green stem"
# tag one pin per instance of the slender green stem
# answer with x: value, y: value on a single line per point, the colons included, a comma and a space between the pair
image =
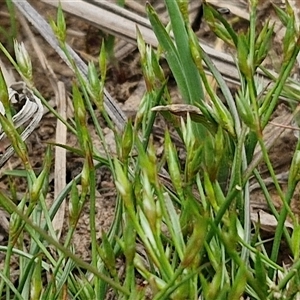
x: 294, y: 270
x: 79, y: 262
x: 93, y: 227
x: 13, y: 23
x: 264, y: 258
x: 270, y: 168
x: 272, y: 97
x: 270, y: 201
x: 280, y: 228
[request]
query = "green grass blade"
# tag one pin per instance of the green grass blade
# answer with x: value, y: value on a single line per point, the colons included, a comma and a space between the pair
x: 181, y: 38
x: 171, y: 52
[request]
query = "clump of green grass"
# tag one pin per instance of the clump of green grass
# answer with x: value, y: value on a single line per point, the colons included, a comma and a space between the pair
x: 190, y: 241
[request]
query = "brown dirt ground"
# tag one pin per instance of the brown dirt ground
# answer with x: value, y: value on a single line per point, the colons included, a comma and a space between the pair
x: 124, y: 80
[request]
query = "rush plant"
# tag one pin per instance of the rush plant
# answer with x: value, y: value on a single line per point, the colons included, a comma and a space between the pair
x: 182, y: 228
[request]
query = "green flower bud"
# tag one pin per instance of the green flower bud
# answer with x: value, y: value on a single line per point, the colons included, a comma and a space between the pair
x: 23, y: 60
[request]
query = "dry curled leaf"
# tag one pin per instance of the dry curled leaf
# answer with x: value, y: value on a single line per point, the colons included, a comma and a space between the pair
x: 180, y: 110
x: 29, y: 114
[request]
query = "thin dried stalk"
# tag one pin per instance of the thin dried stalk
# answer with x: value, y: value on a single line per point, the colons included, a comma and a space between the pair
x: 60, y: 158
